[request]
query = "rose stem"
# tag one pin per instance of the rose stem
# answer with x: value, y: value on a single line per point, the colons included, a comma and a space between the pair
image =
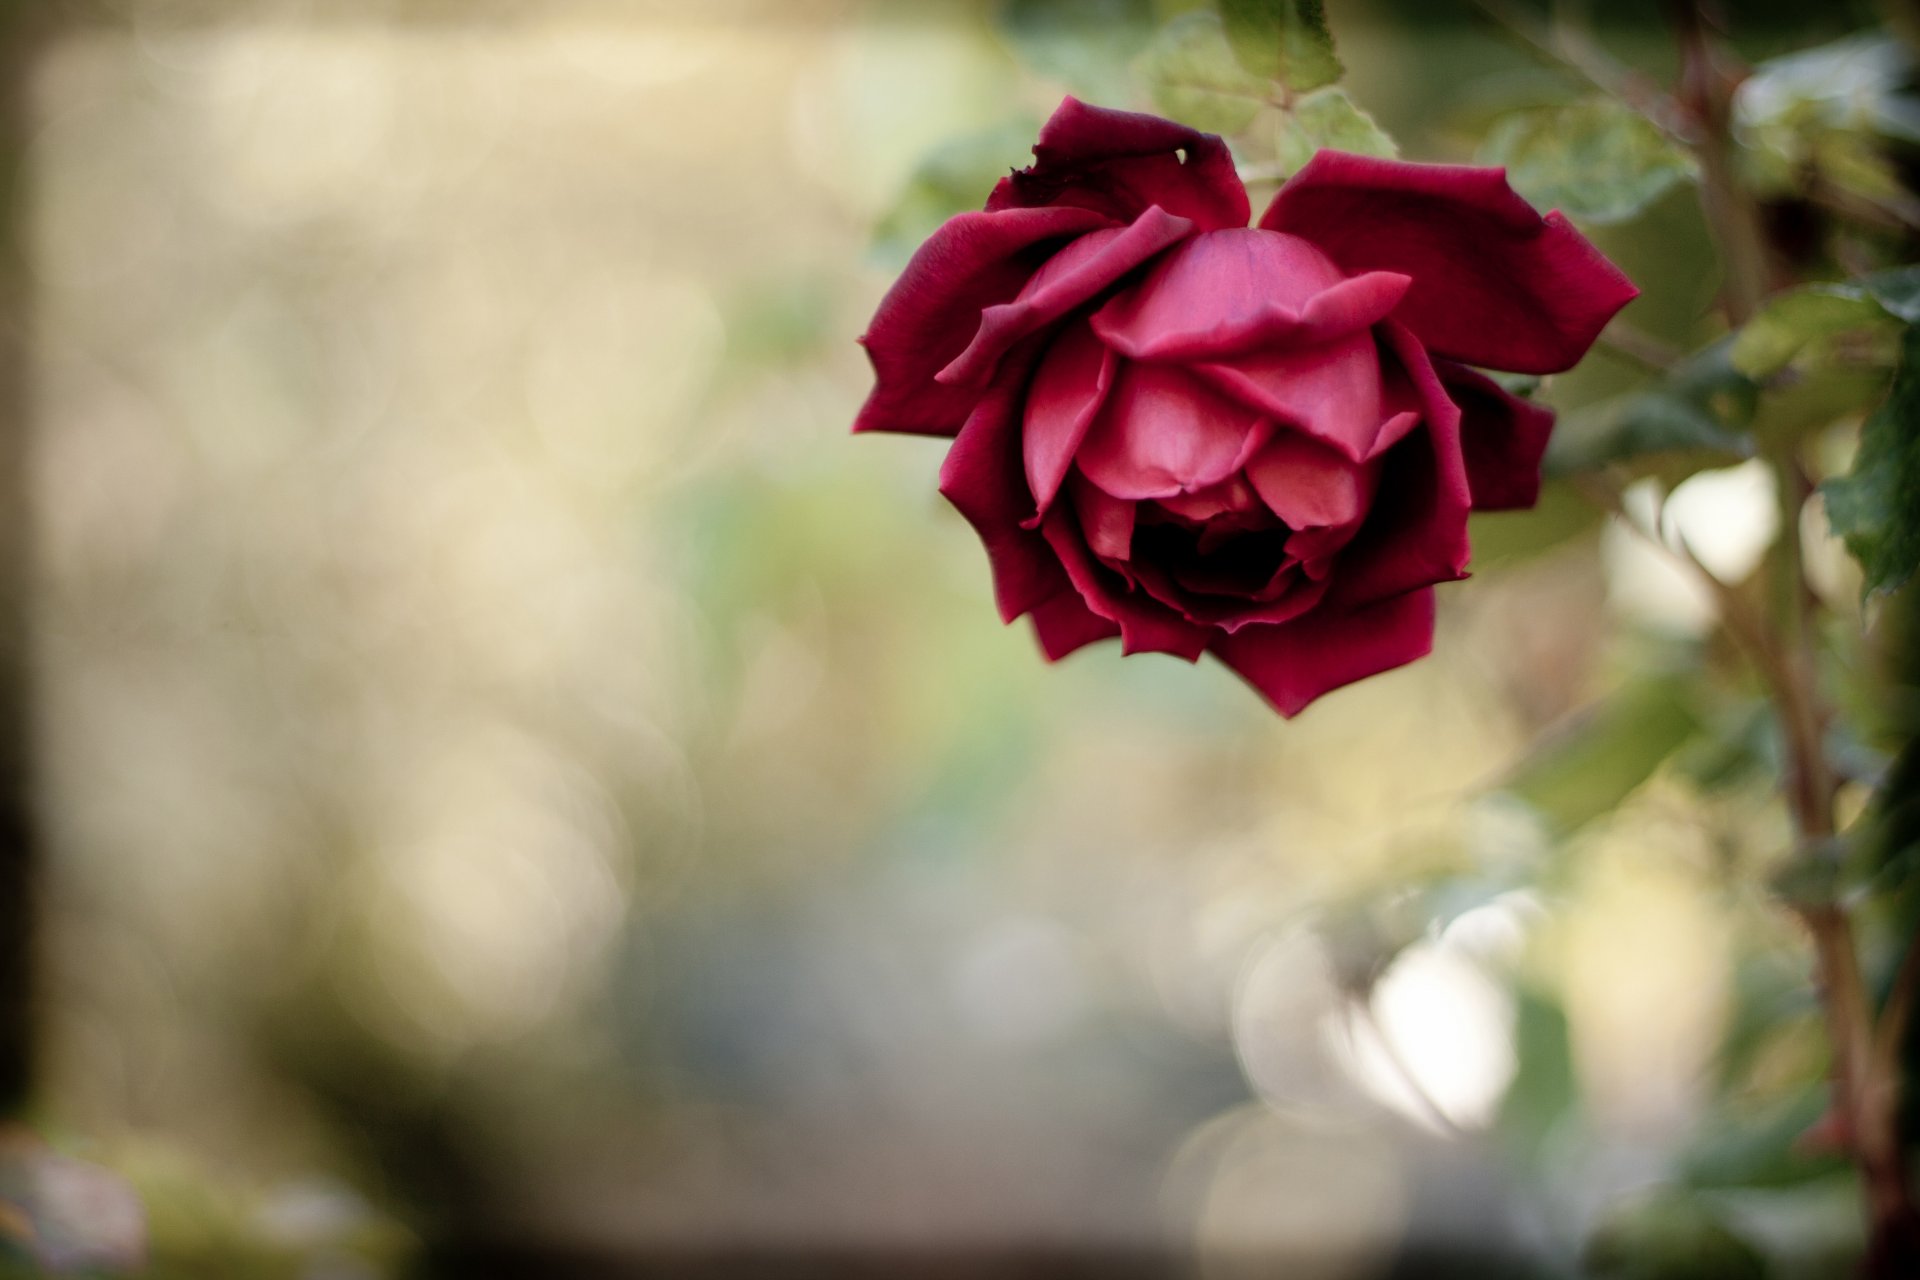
x: 1865, y: 1094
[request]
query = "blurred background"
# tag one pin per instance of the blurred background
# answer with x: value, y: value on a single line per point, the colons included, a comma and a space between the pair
x: 516, y: 781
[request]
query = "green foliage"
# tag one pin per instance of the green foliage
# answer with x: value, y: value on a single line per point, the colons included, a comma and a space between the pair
x: 1874, y: 506
x: 1825, y: 116
x: 1328, y: 118
x: 1285, y: 41
x: 1545, y: 1086
x: 1699, y: 408
x: 1803, y: 324
x: 1669, y: 1234
x: 1599, y: 161
x: 1084, y: 44
x: 1588, y: 767
x: 1192, y: 73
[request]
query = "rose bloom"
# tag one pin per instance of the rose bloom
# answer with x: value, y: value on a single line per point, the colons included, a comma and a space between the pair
x: 1260, y: 443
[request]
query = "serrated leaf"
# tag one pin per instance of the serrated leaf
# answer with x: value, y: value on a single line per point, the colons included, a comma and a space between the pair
x: 1587, y: 767
x: 1284, y: 41
x: 1598, y: 161
x: 1328, y: 119
x: 1875, y: 508
x: 1195, y: 78
x: 1798, y: 319
x: 1086, y: 45
x: 1700, y: 407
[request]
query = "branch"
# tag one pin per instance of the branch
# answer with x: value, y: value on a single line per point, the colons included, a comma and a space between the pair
x: 1572, y: 49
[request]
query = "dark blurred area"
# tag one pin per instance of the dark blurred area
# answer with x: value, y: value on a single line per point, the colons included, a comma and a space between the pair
x: 507, y: 788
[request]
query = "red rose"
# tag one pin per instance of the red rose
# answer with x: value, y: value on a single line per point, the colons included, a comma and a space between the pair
x: 1208, y: 438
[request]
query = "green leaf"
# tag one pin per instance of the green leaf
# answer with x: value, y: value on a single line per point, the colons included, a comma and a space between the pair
x: 1897, y: 290
x: 1588, y: 767
x: 1700, y: 407
x: 1285, y: 41
x: 1799, y: 320
x: 1329, y: 119
x: 955, y: 176
x: 1875, y: 507
x: 1598, y: 161
x: 1762, y: 1148
x: 1666, y: 1233
x: 1195, y: 79
x: 1086, y: 45
x: 1824, y: 115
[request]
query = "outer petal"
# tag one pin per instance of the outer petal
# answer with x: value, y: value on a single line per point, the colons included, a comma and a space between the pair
x: 1295, y: 662
x: 1145, y: 625
x: 1161, y: 432
x: 1121, y: 162
x: 1229, y: 291
x: 1075, y: 275
x: 1064, y: 624
x: 1416, y: 534
x: 1068, y: 389
x: 974, y: 261
x: 982, y: 477
x: 1503, y: 436
x: 1494, y: 283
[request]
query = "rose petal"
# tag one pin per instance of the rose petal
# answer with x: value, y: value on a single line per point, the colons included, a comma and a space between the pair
x: 982, y: 478
x: 1064, y: 624
x: 1229, y: 291
x: 1162, y: 432
x: 1293, y: 663
x: 1285, y: 596
x: 1416, y: 534
x: 1072, y: 382
x: 1231, y: 497
x: 1106, y: 521
x: 1494, y: 283
x: 1121, y: 163
x: 1310, y: 485
x: 1075, y: 275
x: 1331, y: 391
x: 1145, y: 624
x: 972, y: 262
x: 1504, y: 438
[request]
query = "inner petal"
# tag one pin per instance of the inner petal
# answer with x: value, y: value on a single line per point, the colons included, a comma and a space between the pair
x: 1161, y: 433
x: 1073, y: 379
x: 1311, y: 485
x: 1331, y: 391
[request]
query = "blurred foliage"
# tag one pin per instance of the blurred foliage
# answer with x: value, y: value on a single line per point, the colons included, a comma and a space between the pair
x: 1873, y: 506
x: 508, y: 756
x: 1694, y: 413
x: 1599, y: 161
x: 1283, y: 41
